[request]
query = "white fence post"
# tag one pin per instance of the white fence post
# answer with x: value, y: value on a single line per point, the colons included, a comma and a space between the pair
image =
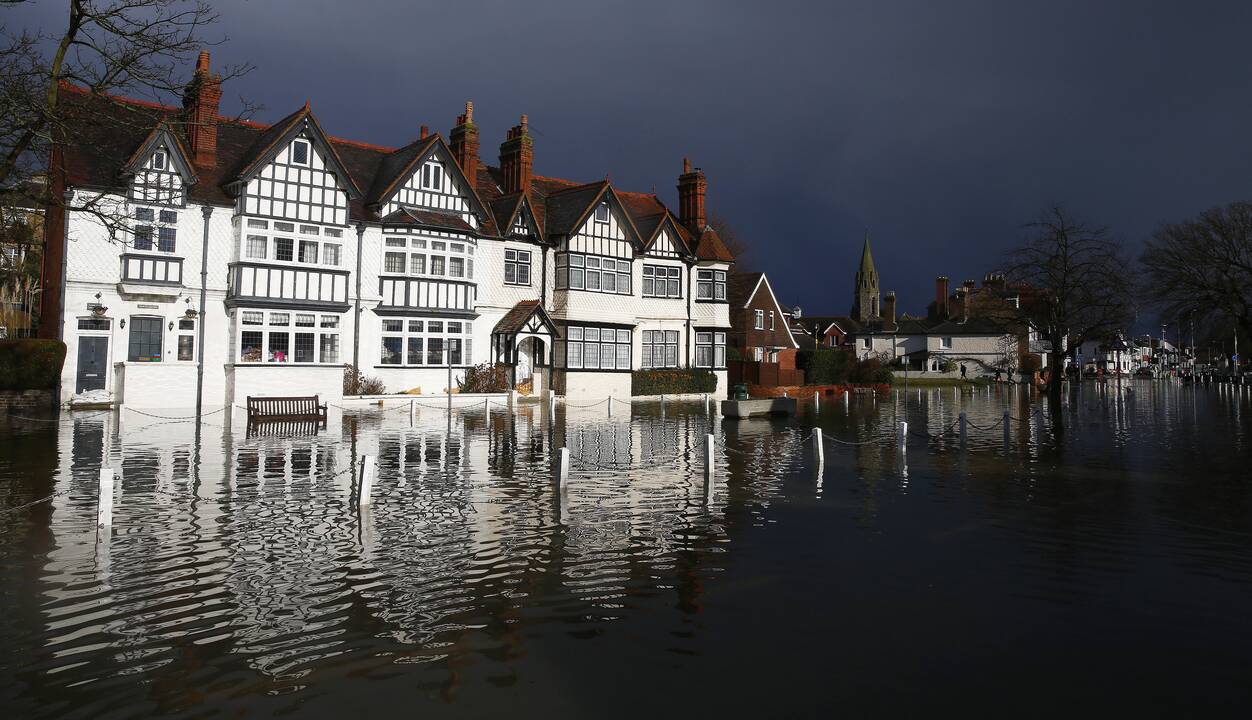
x: 818, y: 448
x: 847, y: 392
x: 412, y: 411
x: 104, y: 502
x: 367, y: 480
x: 610, y: 406
x: 817, y: 400
x: 552, y: 403
x: 903, y: 436
x: 708, y: 457
x: 562, y: 466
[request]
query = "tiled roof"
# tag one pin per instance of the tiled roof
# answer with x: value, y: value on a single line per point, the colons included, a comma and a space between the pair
x: 739, y: 287
x: 97, y: 150
x: 428, y: 218
x: 515, y: 319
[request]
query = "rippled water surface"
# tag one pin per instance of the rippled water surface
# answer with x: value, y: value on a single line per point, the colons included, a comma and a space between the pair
x: 1107, y: 573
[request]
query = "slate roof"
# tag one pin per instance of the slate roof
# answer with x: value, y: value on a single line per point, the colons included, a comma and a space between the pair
x: 427, y: 218
x: 108, y: 130
x: 739, y: 287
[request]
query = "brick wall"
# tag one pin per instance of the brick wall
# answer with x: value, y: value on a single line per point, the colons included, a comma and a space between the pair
x: 25, y: 401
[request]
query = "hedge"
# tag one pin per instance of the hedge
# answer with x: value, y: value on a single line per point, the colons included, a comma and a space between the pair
x: 827, y: 366
x: 30, y: 364
x: 672, y: 382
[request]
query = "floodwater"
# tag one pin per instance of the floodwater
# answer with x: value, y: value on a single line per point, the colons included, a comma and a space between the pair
x: 1008, y: 575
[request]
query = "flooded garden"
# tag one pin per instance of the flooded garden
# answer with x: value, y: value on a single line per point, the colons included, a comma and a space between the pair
x: 999, y: 570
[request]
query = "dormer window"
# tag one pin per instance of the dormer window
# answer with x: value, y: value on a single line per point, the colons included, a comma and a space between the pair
x: 158, y: 160
x: 602, y: 212
x: 300, y: 152
x: 432, y: 176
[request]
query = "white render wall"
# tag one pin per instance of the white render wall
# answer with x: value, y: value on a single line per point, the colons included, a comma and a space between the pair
x: 93, y: 265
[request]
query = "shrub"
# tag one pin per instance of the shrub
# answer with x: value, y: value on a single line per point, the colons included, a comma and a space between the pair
x: 356, y: 382
x: 947, y: 365
x: 672, y: 382
x: 485, y: 378
x: 30, y: 364
x: 824, y: 366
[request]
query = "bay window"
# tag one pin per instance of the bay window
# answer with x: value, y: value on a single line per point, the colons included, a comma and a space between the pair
x: 710, y: 349
x: 597, y: 348
x: 280, y: 337
x: 410, y: 342
x: 711, y: 285
x: 660, y: 349
x: 576, y: 271
x: 662, y: 281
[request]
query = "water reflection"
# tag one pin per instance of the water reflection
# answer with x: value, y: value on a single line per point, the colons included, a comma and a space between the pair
x: 240, y: 567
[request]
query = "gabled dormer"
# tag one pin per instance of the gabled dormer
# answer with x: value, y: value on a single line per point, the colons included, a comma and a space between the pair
x: 159, y: 171
x: 426, y: 176
x: 665, y: 239
x: 295, y: 173
x: 592, y: 219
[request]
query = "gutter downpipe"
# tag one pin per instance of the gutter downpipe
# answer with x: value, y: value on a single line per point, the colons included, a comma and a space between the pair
x: 687, y: 345
x: 206, y: 211
x: 356, y: 320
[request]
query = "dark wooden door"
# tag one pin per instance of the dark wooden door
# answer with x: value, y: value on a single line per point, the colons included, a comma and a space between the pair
x: 93, y: 355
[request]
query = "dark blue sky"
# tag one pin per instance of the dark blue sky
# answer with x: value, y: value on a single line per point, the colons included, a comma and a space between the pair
x: 942, y: 127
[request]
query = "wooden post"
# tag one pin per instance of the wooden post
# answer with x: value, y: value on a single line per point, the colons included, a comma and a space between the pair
x: 903, y: 436
x: 104, y: 502
x: 562, y: 467
x: 367, y: 480
x: 963, y: 429
x: 818, y: 449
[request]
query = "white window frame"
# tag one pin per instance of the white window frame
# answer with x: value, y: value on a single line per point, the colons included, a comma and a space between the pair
x: 671, y: 278
x: 297, y: 235
x: 514, y: 261
x: 710, y: 344
x: 607, y: 214
x: 586, y: 265
x: 419, y: 328
x: 758, y: 319
x: 308, y: 152
x: 324, y: 325
x: 945, y: 343
x: 710, y: 285
x: 578, y: 347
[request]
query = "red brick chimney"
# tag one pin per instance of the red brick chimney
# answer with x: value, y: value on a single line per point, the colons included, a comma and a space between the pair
x: 889, y: 310
x: 517, y: 159
x: 465, y: 143
x: 201, y: 100
x: 941, y: 297
x: 691, y: 187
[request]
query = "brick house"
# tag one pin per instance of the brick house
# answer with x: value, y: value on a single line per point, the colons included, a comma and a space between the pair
x: 764, y: 347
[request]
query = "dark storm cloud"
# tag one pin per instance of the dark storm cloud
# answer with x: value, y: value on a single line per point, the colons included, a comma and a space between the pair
x: 941, y: 127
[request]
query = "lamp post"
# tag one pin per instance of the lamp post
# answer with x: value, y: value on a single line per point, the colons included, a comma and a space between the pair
x: 1117, y: 346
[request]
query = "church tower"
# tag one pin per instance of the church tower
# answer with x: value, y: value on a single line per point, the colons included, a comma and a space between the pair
x: 865, y: 301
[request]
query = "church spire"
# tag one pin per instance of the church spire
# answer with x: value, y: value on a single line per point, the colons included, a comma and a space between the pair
x: 865, y: 301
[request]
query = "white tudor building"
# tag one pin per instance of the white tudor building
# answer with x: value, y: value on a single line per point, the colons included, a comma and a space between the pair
x: 260, y: 259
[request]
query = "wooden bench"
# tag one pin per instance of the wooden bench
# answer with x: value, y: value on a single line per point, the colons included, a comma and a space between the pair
x: 286, y: 409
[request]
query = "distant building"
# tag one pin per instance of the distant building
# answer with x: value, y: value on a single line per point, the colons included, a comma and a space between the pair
x: 764, y: 347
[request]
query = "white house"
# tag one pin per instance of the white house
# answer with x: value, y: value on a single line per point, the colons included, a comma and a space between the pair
x: 250, y: 259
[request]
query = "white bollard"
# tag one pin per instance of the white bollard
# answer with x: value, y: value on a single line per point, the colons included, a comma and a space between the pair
x: 366, y: 488
x: 817, y: 401
x: 846, y: 393
x: 818, y: 448
x: 562, y: 466
x: 412, y: 411
x: 964, y: 432
x: 487, y: 405
x: 552, y: 403
x: 104, y: 501
x: 708, y: 457
x: 610, y: 406
x: 706, y: 404
x: 956, y: 393
x: 903, y: 436
x: 662, y: 402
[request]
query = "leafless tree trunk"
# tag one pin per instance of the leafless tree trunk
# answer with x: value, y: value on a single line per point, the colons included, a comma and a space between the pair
x: 1203, y: 267
x: 138, y: 48
x: 1080, y: 286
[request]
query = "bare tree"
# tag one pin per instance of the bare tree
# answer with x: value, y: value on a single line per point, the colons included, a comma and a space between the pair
x: 737, y: 247
x: 1203, y: 267
x: 1081, y: 289
x: 138, y: 48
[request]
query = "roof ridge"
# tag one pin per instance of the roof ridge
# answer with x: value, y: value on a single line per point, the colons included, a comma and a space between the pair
x: 363, y: 145
x: 579, y: 187
x: 66, y: 85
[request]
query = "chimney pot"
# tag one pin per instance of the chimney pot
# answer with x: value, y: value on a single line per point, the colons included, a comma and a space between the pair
x: 202, y: 63
x: 425, y: 132
x: 469, y: 111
